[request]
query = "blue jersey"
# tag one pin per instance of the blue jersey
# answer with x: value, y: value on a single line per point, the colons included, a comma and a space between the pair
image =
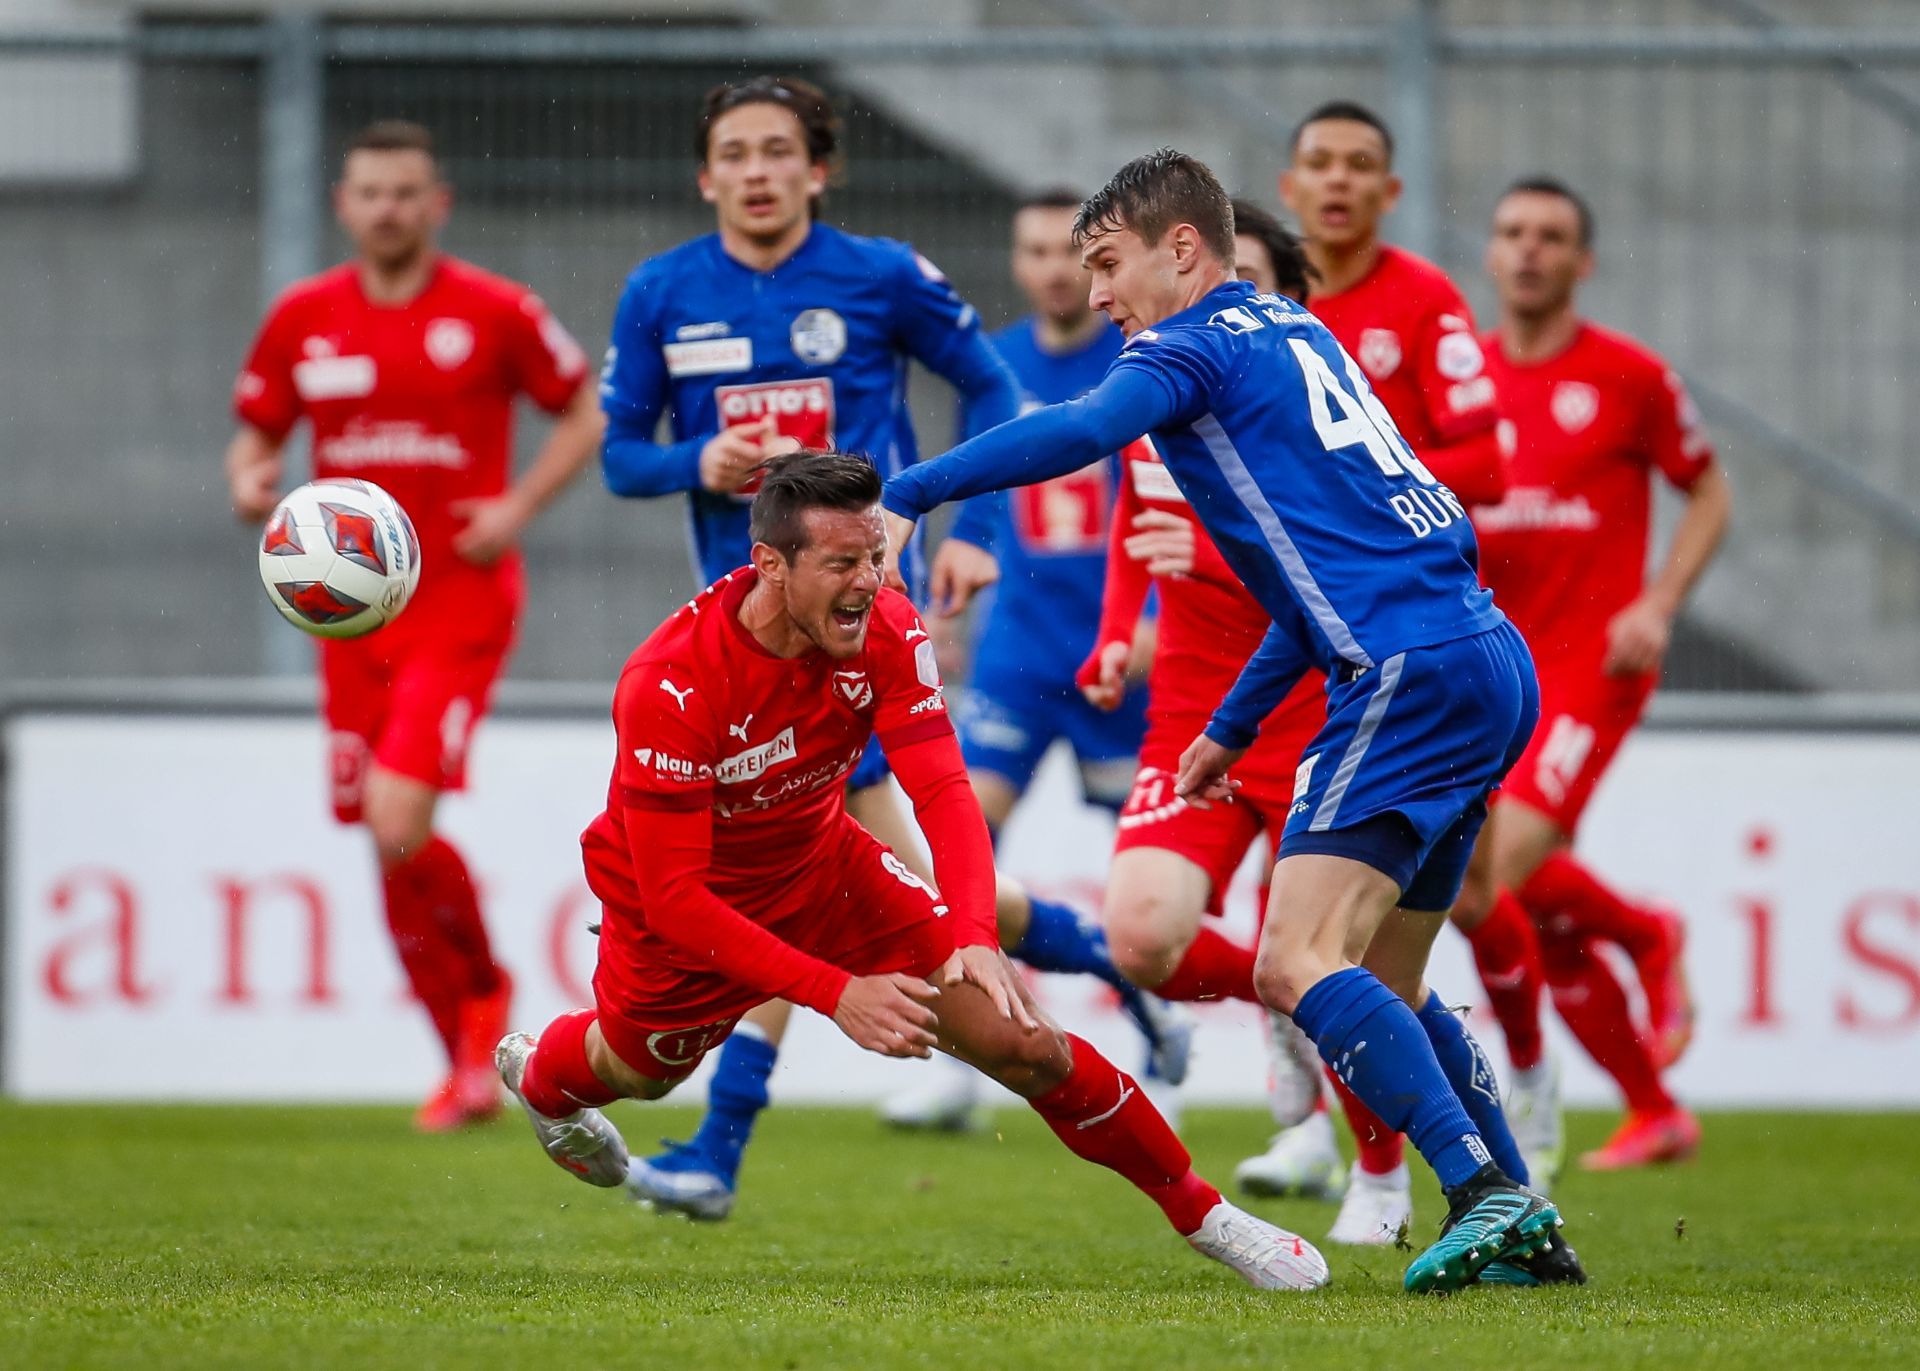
x: 1050, y: 538
x: 1294, y: 467
x: 820, y: 344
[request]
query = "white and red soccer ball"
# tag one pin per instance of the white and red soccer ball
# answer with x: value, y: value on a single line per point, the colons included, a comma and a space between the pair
x: 339, y: 558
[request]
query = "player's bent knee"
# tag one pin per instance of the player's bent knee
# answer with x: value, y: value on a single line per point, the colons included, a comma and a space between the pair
x: 1147, y: 935
x: 1282, y: 974
x: 1031, y: 1064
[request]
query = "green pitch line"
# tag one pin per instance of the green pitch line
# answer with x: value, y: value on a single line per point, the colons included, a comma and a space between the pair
x: 175, y: 1237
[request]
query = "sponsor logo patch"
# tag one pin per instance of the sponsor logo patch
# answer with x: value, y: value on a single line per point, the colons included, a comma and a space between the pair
x: 1458, y: 356
x: 708, y: 357
x: 756, y: 761
x: 333, y: 378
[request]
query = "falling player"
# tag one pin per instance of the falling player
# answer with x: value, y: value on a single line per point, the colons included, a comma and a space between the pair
x: 777, y: 332
x: 1365, y: 563
x: 1051, y: 544
x: 730, y: 871
x: 1173, y: 861
x: 1410, y: 329
x: 1594, y: 415
x: 406, y: 362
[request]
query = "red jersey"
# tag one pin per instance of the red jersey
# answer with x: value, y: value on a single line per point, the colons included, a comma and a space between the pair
x: 1209, y: 623
x: 1566, y: 549
x: 417, y: 398
x: 1411, y: 330
x: 709, y: 722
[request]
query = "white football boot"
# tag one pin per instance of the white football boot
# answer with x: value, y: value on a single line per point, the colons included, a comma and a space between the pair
x: 1378, y: 1209
x: 1267, y: 1257
x: 1535, y: 1116
x: 1303, y: 1160
x: 944, y: 1100
x: 1295, y: 1076
x: 584, y: 1143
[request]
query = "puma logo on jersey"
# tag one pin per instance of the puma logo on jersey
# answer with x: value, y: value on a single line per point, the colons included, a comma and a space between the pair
x: 915, y: 632
x: 739, y: 730
x: 679, y: 696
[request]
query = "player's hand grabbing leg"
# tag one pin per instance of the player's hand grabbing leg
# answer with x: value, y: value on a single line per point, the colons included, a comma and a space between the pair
x: 889, y: 1014
x: 989, y: 969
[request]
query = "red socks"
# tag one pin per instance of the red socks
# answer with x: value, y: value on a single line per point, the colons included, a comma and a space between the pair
x: 1507, y: 956
x: 1378, y: 1148
x: 1595, y: 1009
x: 1564, y: 896
x: 1214, y: 968
x: 559, y: 1079
x: 438, y: 932
x: 1104, y: 1117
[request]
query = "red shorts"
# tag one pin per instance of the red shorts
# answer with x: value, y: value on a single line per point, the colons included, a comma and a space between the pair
x: 409, y: 695
x: 1584, y: 717
x: 865, y: 912
x: 1216, y: 839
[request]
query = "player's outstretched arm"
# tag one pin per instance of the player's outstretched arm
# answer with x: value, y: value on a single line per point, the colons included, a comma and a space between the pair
x: 1041, y: 444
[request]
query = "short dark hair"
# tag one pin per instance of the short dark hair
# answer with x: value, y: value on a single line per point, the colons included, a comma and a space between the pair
x: 1154, y: 192
x: 796, y: 482
x: 1053, y: 197
x: 393, y: 135
x: 1352, y: 111
x: 808, y: 103
x: 1291, y: 269
x: 1553, y: 185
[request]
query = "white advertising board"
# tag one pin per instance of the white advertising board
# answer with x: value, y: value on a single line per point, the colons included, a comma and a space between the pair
x: 185, y: 921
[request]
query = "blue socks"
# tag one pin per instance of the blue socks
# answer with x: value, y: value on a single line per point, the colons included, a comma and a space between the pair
x: 735, y: 1097
x: 1376, y: 1044
x: 1472, y: 1078
x: 1057, y: 940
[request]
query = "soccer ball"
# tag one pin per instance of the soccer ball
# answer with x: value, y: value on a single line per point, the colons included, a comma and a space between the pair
x: 339, y: 558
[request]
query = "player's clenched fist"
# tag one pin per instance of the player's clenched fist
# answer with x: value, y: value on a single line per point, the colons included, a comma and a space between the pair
x: 1103, y: 680
x: 959, y: 572
x: 889, y: 1014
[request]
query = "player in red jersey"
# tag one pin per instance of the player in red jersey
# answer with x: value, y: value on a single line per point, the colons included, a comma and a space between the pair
x: 406, y: 363
x: 731, y: 872
x: 1594, y: 415
x: 1412, y: 332
x: 1173, y: 861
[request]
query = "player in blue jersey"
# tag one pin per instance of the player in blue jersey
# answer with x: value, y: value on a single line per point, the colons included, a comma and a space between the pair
x: 1050, y: 541
x: 777, y: 332
x: 1367, y: 565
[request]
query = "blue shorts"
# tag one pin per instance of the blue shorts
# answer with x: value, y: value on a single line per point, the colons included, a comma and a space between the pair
x: 1399, y: 775
x: 1006, y: 727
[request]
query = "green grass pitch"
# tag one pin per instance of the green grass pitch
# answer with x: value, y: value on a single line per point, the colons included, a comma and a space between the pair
x: 183, y: 1237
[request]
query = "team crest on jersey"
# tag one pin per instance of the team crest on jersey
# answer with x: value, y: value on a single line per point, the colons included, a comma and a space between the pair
x: 1379, y: 352
x: 1458, y: 357
x: 819, y: 336
x: 449, y: 342
x: 854, y: 688
x: 1575, y: 405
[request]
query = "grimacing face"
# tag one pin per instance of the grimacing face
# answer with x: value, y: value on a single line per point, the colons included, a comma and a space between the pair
x: 1046, y: 265
x: 1136, y: 283
x: 391, y: 204
x: 758, y: 175
x: 829, y: 586
x: 1535, y: 255
x: 1340, y: 184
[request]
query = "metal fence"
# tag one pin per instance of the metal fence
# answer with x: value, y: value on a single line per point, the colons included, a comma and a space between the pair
x: 1756, y: 187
